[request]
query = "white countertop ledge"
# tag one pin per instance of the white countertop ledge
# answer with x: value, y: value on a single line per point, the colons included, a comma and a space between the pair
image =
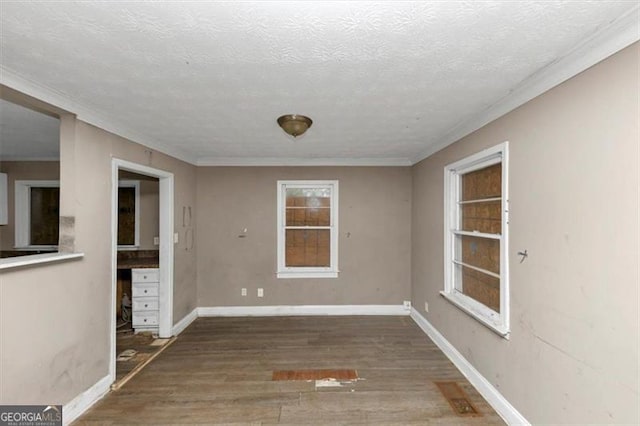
x: 37, y: 259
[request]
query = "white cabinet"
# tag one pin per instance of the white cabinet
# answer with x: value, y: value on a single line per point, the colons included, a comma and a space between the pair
x: 145, y: 285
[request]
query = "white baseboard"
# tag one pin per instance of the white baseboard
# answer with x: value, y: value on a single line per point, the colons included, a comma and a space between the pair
x: 85, y: 400
x: 184, y: 322
x: 499, y: 403
x: 298, y: 310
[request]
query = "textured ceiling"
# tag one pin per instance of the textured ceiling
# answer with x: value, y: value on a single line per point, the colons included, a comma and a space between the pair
x: 381, y: 80
x: 26, y: 134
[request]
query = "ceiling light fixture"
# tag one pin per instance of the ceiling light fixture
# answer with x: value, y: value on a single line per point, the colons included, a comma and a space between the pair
x: 294, y: 124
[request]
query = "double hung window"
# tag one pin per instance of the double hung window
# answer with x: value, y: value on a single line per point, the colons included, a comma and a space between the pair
x: 307, y: 229
x: 476, y: 231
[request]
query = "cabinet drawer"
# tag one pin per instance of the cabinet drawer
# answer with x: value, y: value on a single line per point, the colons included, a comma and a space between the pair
x: 144, y: 290
x: 144, y: 319
x: 145, y: 304
x: 145, y: 276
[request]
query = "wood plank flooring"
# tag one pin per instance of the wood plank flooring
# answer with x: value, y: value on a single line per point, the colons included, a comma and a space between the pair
x: 141, y: 343
x: 220, y: 371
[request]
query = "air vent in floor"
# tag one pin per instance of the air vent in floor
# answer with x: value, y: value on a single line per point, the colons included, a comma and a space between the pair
x: 457, y: 399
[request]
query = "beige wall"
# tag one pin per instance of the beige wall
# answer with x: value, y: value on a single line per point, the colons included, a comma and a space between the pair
x: 149, y: 213
x: 55, y: 319
x: 149, y: 208
x: 374, y: 242
x: 22, y: 170
x: 573, y: 175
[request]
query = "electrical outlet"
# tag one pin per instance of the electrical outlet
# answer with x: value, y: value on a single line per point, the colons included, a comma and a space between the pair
x: 175, y: 237
x: 407, y: 304
x: 243, y: 292
x: 426, y: 307
x: 260, y: 292
x: 156, y: 241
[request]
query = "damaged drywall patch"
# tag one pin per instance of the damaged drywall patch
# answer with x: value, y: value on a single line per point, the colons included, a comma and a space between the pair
x: 67, y: 236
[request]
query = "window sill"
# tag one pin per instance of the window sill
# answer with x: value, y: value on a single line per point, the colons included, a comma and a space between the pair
x: 307, y: 274
x: 35, y: 248
x: 36, y: 259
x: 481, y: 317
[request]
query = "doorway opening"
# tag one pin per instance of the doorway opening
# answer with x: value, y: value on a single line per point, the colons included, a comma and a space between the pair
x: 142, y: 266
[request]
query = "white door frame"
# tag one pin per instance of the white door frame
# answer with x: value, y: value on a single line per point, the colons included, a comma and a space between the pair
x: 166, y: 249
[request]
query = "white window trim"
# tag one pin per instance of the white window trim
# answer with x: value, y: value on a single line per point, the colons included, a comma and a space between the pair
x: 22, y: 197
x: 4, y: 213
x: 307, y: 272
x: 498, y: 322
x: 133, y: 184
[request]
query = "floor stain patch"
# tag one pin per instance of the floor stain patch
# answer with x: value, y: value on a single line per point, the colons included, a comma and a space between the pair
x: 126, y: 355
x: 315, y: 375
x: 330, y: 383
x: 458, y: 399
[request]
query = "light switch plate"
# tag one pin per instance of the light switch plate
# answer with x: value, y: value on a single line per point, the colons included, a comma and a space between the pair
x: 260, y: 292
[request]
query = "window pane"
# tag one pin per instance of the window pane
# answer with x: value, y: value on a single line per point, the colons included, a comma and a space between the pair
x: 303, y: 216
x: 480, y: 252
x: 483, y: 183
x: 45, y: 210
x: 308, y: 247
x: 308, y: 207
x: 126, y: 216
x: 309, y: 197
x: 481, y: 287
x: 482, y: 217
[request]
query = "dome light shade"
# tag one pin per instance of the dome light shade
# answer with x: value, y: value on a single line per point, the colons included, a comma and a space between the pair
x: 294, y: 124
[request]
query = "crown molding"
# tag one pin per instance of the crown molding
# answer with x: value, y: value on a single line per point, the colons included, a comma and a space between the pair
x: 8, y: 159
x: 274, y: 161
x: 603, y: 43
x: 84, y: 113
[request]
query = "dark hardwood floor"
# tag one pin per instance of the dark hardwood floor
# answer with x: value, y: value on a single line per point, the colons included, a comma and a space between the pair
x: 221, y: 371
x: 141, y: 343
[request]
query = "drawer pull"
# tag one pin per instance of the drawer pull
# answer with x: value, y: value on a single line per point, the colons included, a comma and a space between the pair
x: 145, y: 291
x: 145, y: 277
x: 145, y: 320
x: 146, y: 305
